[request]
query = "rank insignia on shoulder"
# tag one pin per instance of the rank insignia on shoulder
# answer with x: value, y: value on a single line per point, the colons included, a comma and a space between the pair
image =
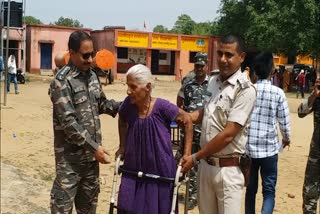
x: 214, y: 72
x: 244, y: 82
x: 62, y: 73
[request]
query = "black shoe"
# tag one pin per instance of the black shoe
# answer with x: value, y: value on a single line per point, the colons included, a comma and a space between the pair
x: 192, y: 203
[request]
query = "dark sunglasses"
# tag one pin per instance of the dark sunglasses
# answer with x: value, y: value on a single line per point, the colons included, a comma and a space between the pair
x: 87, y: 55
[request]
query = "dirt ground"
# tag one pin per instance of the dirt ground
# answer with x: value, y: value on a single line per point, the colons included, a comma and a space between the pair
x: 27, y: 159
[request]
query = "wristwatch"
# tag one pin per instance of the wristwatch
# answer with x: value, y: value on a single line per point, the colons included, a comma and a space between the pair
x: 194, y: 159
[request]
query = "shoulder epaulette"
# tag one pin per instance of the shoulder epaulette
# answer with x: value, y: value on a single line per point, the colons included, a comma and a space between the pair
x: 63, y: 72
x: 214, y: 72
x: 244, y: 82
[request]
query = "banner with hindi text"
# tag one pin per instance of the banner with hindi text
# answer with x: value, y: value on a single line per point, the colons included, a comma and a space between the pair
x: 132, y: 39
x: 194, y: 43
x: 164, y: 41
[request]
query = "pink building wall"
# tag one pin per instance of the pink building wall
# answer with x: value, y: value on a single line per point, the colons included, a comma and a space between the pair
x: 56, y: 35
x: 212, y: 53
x: 104, y: 39
x: 185, y: 65
x: 15, y: 35
x: 107, y: 39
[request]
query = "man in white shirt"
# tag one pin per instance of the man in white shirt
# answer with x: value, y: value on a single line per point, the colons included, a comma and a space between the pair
x: 12, y: 74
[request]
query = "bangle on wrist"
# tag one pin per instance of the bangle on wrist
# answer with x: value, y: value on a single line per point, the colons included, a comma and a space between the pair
x: 194, y: 159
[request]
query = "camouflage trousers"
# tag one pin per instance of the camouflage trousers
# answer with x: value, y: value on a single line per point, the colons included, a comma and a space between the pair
x: 76, y: 183
x: 193, y: 171
x: 193, y: 174
x: 311, y: 186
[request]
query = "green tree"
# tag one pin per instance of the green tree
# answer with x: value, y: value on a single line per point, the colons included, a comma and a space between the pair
x: 315, y: 26
x: 68, y: 22
x: 298, y: 27
x: 160, y: 29
x: 184, y: 25
x: 233, y: 17
x: 30, y: 20
x: 205, y: 29
x: 289, y: 27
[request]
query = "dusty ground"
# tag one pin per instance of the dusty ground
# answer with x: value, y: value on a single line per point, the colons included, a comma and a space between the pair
x: 27, y: 160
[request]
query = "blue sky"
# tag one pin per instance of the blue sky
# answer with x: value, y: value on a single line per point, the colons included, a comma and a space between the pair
x: 96, y: 14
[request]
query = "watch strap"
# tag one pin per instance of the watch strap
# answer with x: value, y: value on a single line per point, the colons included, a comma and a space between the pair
x: 194, y: 159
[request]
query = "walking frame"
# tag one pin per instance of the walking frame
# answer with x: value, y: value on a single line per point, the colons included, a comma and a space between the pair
x: 177, y: 181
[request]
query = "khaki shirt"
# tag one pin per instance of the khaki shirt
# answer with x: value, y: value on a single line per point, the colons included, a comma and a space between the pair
x: 231, y: 100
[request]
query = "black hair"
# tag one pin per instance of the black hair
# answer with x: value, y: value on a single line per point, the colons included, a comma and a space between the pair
x: 248, y: 61
x: 76, y: 38
x: 263, y: 65
x: 229, y: 39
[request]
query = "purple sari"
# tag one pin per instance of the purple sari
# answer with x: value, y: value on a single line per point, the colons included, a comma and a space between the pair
x: 148, y: 149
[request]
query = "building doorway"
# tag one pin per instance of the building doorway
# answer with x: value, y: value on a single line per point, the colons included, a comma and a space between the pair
x: 155, y: 61
x: 45, y: 57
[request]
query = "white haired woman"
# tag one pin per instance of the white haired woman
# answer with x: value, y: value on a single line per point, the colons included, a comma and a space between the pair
x: 145, y: 143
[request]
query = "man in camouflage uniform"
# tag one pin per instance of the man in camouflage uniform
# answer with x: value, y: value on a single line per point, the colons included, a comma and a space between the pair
x: 192, y: 96
x: 78, y: 100
x: 192, y: 74
x: 311, y: 186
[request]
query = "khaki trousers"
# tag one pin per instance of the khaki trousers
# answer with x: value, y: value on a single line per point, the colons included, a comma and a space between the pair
x: 219, y: 189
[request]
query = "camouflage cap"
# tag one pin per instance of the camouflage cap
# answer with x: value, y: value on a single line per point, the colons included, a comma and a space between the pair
x: 200, y: 61
x: 201, y: 58
x: 201, y: 55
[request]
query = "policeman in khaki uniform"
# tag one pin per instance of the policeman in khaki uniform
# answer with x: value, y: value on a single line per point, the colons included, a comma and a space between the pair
x: 191, y: 97
x: 225, y: 121
x: 78, y: 100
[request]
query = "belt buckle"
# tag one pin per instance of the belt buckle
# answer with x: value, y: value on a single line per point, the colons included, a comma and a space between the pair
x: 213, y: 161
x: 216, y: 161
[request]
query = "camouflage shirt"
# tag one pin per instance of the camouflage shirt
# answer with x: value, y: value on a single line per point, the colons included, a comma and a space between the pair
x: 191, y: 75
x: 195, y: 96
x: 304, y: 110
x: 316, y: 114
x: 78, y: 99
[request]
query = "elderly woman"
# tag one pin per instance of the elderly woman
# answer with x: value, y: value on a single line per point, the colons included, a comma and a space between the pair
x: 145, y: 143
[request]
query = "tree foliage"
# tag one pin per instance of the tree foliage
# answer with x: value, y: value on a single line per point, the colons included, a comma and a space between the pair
x: 160, y: 29
x: 205, y: 29
x: 30, y: 20
x: 68, y: 22
x: 184, y: 25
x: 289, y: 27
x: 315, y: 40
x: 280, y: 26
